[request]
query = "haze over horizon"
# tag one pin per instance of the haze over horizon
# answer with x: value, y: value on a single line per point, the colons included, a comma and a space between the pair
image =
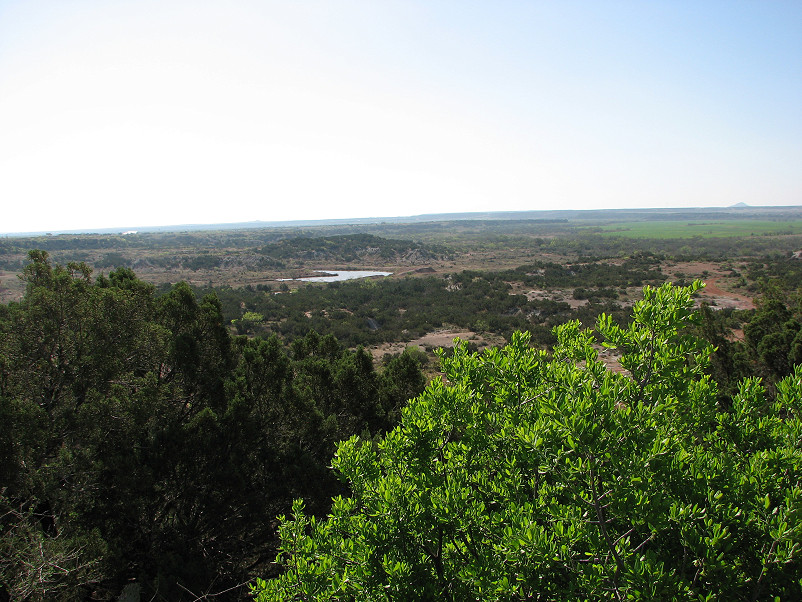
x: 117, y: 114
x: 757, y: 212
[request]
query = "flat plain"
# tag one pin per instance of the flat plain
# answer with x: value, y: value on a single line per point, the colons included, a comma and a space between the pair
x: 249, y: 267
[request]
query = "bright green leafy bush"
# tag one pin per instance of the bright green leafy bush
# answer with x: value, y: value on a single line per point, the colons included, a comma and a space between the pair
x: 527, y: 476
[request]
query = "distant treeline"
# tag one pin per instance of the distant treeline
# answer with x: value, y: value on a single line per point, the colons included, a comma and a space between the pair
x: 209, y: 251
x: 352, y: 247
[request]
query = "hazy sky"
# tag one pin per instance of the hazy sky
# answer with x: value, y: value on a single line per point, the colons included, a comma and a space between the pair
x: 119, y: 113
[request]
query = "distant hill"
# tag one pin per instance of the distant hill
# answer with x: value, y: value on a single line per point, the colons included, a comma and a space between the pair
x: 353, y: 247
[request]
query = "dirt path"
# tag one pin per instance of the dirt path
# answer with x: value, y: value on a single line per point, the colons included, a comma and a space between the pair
x: 723, y: 298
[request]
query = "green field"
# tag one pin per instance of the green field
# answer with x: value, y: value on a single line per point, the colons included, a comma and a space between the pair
x: 707, y: 229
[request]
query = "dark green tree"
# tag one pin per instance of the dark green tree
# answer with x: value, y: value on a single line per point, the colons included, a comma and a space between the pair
x: 142, y: 444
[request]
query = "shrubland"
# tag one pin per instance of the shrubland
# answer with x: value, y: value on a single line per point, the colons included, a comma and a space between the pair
x: 371, y: 312
x: 144, y: 443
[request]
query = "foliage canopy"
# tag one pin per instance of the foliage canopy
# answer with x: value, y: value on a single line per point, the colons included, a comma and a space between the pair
x: 141, y: 443
x: 528, y: 476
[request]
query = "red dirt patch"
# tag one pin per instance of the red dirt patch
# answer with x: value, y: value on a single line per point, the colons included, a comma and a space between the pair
x: 715, y: 295
x: 714, y: 275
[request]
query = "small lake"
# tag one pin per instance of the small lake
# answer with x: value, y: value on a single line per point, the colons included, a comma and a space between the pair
x: 338, y: 275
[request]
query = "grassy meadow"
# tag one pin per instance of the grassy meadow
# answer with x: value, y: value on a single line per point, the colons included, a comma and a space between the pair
x: 707, y: 229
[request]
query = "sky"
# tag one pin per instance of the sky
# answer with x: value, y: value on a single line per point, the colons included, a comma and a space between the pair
x: 123, y: 113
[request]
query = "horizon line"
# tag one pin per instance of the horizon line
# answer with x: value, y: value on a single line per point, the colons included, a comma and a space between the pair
x: 399, y: 219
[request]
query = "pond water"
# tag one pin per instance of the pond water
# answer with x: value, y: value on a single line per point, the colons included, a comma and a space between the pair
x: 339, y: 275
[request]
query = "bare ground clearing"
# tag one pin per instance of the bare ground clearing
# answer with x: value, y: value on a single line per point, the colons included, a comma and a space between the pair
x: 718, y: 297
x: 11, y: 287
x: 443, y: 337
x: 718, y: 291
